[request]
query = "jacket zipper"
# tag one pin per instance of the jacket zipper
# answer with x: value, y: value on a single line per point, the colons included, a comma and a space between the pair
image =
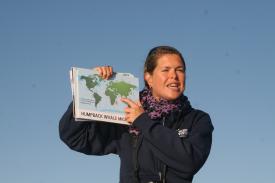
x: 161, y: 178
x: 135, y: 156
x: 163, y: 121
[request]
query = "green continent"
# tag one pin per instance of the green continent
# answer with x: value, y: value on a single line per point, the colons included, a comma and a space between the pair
x: 97, y: 98
x: 118, y: 88
x: 91, y: 81
x: 112, y: 95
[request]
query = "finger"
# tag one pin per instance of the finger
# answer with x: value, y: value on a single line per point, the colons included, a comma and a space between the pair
x: 128, y: 119
x: 129, y: 102
x: 105, y: 72
x: 99, y: 70
x: 128, y: 110
x: 139, y: 104
x: 110, y: 71
x: 126, y: 116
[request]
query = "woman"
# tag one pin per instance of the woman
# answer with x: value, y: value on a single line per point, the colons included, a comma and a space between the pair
x: 167, y: 140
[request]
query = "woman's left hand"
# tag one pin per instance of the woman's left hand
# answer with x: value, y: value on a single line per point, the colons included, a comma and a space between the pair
x: 133, y: 110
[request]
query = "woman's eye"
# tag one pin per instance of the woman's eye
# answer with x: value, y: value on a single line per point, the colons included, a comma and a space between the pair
x: 180, y: 70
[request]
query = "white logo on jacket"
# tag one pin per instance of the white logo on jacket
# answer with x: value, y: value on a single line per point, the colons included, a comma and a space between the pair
x: 183, y: 133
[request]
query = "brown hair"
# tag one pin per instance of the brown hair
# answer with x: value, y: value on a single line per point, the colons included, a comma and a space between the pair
x: 154, y: 54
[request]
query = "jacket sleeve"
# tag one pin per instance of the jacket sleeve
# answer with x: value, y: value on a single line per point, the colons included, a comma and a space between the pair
x: 90, y: 137
x: 184, y: 155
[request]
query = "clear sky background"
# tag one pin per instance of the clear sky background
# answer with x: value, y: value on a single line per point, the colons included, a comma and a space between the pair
x: 229, y: 48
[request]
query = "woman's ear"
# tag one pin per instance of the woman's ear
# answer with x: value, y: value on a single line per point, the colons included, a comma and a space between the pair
x: 148, y: 79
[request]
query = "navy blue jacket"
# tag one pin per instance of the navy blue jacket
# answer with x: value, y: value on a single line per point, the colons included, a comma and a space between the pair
x: 159, y: 150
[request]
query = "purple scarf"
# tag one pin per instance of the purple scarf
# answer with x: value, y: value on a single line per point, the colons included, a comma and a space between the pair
x: 158, y: 109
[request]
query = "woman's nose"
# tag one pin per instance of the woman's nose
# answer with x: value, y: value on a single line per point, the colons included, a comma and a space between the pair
x: 173, y: 74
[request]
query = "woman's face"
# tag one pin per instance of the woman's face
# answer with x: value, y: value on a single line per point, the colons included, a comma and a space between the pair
x: 168, y: 79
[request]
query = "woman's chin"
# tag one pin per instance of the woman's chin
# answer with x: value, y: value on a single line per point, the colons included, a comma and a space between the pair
x: 172, y: 96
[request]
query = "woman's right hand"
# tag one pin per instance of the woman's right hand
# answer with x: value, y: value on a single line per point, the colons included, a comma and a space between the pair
x: 105, y: 72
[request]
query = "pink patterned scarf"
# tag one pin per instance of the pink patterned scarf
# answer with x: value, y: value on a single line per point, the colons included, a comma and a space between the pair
x: 157, y: 109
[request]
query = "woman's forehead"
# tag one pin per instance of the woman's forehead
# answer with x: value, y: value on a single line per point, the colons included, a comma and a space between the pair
x: 169, y: 60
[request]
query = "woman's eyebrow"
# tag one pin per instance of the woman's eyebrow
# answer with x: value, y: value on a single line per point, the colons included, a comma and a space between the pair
x: 169, y: 67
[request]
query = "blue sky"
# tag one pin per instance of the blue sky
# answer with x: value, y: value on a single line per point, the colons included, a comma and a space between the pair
x: 229, y: 48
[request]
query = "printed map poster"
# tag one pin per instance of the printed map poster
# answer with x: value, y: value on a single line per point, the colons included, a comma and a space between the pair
x: 99, y: 99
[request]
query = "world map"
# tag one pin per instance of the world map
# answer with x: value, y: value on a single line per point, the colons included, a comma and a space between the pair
x: 113, y: 89
x: 104, y: 95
